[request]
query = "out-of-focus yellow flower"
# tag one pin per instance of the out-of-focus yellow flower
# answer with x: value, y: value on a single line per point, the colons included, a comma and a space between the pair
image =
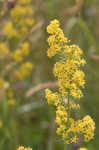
x: 23, y: 31
x: 25, y: 48
x: 24, y: 71
x: 3, y: 49
x: 23, y: 148
x: 28, y: 22
x: 10, y: 31
x: 17, y: 55
x: 2, y: 82
x: 29, y: 10
x: 10, y: 93
x: 24, y: 51
x: 1, y: 124
x: 18, y: 12
x: 11, y: 102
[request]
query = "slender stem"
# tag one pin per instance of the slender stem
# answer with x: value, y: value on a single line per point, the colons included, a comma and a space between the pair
x: 51, y: 139
x: 65, y: 147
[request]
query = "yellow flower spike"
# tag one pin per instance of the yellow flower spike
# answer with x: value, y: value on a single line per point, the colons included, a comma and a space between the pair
x: 57, y: 39
x: 70, y: 79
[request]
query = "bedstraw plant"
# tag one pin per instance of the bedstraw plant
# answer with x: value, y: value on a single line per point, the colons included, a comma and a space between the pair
x: 71, y: 80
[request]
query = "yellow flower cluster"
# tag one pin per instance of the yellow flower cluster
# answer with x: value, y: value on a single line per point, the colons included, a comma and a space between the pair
x: 67, y: 69
x: 10, y: 31
x: 70, y: 79
x: 23, y: 148
x: 70, y: 130
x: 61, y: 115
x: 52, y: 98
x: 21, y: 20
x: 56, y: 40
x: 22, y: 52
x: 86, y: 127
x: 24, y: 71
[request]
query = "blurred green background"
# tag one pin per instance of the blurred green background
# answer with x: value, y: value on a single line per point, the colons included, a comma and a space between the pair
x: 30, y: 121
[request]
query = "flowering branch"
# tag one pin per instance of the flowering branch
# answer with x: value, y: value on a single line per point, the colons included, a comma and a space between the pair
x: 71, y: 79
